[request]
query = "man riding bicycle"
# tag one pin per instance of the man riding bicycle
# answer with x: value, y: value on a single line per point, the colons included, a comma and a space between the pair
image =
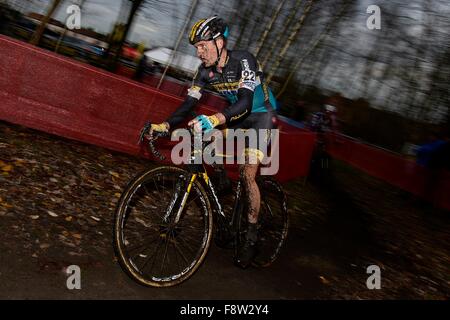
x: 236, y: 76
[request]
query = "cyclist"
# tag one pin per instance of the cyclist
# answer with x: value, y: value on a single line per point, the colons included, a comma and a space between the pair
x: 236, y: 76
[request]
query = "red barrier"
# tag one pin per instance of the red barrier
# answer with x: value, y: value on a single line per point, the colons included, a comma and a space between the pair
x: 392, y: 168
x: 48, y: 92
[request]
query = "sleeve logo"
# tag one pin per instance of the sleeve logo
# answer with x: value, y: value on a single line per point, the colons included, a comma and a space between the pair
x: 194, y: 92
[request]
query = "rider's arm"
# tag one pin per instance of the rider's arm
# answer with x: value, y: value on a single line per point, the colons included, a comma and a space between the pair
x: 247, y: 84
x: 241, y: 108
x: 182, y: 112
x: 194, y: 95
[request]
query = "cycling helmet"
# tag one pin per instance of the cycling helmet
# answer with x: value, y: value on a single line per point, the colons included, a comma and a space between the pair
x: 208, y: 29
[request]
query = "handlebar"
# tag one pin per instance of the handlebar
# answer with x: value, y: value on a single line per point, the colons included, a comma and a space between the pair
x: 151, y: 144
x: 155, y: 136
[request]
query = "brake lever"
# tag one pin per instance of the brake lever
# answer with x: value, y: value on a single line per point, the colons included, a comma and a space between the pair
x: 144, y: 130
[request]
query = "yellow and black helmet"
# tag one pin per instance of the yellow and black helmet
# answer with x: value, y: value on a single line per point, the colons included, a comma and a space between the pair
x: 208, y: 29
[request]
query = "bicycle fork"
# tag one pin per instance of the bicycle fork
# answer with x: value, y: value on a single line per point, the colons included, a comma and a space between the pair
x: 183, y: 201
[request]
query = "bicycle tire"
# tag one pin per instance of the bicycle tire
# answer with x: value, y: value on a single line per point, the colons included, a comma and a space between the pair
x: 123, y: 215
x: 273, y: 222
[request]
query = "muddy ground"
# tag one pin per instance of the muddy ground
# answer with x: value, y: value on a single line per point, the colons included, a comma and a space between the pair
x: 57, y: 199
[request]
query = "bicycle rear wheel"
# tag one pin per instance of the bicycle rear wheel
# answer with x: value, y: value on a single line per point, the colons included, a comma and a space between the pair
x: 151, y: 248
x: 273, y: 222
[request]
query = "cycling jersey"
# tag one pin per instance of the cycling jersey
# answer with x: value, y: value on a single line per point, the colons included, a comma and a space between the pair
x: 240, y: 82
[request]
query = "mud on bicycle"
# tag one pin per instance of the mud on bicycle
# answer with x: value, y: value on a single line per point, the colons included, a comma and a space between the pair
x: 167, y: 216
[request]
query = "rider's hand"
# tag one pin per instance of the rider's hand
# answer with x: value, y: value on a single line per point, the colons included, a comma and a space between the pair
x: 204, y: 123
x: 149, y: 128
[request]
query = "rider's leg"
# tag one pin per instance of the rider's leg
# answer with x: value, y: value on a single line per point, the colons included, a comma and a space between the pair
x: 248, y: 172
x: 247, y: 251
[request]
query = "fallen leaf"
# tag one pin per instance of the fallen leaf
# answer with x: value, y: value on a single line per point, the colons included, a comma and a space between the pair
x: 34, y: 217
x: 76, y: 235
x: 6, y: 205
x: 69, y: 218
x: 114, y: 174
x: 51, y: 213
x: 117, y: 194
x: 323, y: 280
x: 7, y: 168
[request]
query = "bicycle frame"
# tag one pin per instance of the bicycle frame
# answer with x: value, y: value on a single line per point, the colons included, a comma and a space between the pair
x: 198, y: 171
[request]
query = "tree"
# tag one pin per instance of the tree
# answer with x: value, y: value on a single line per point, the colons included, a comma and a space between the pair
x: 282, y: 32
x: 37, y: 35
x: 290, y: 40
x: 115, y: 48
x: 321, y: 38
x: 268, y: 28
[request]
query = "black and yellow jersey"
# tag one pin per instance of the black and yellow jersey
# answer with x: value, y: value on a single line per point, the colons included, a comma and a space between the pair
x: 240, y: 82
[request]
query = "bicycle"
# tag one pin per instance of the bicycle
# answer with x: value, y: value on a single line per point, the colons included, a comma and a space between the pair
x: 165, y: 218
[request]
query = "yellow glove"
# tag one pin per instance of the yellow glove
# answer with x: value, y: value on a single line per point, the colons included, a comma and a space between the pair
x: 161, y: 127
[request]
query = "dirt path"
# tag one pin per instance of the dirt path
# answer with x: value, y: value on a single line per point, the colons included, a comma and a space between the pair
x: 57, y: 198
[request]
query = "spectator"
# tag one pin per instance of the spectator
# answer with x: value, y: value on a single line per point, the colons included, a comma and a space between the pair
x: 324, y: 120
x: 435, y: 156
x: 321, y: 122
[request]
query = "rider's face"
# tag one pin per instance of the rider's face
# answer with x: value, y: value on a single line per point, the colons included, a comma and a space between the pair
x: 206, y: 51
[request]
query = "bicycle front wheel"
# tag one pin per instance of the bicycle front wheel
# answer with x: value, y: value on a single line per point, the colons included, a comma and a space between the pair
x: 151, y: 247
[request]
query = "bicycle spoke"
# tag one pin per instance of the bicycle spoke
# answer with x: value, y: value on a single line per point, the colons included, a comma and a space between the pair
x: 187, y: 205
x: 165, y: 253
x: 190, y: 227
x: 132, y: 237
x: 150, y: 257
x: 156, y: 186
x: 153, y: 211
x: 185, y: 244
x: 180, y: 252
x: 175, y: 252
x: 141, y: 244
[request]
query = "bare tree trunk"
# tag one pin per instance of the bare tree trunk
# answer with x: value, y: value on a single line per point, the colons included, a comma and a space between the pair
x: 257, y: 22
x: 283, y: 32
x: 415, y: 76
x: 268, y: 28
x: 291, y: 39
x: 324, y: 34
x: 244, y: 25
x: 182, y: 33
x: 112, y: 65
x: 37, y: 35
